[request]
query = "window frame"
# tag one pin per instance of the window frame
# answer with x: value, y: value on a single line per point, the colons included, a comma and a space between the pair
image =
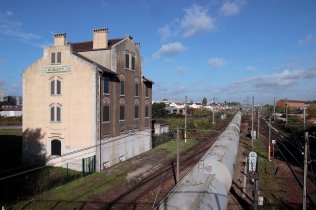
x: 136, y: 111
x: 55, y: 113
x: 127, y: 60
x: 133, y: 62
x: 55, y: 86
x: 55, y: 58
x: 103, y: 113
x: 106, y: 80
x: 136, y: 89
x: 122, y: 87
x: 122, y: 112
x: 146, y: 92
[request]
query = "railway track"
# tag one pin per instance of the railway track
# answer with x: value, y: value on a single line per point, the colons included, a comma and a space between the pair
x: 290, y: 150
x: 147, y: 193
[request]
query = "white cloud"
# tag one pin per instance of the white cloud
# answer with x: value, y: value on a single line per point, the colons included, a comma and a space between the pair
x: 13, y: 28
x: 169, y: 50
x: 165, y: 32
x: 230, y: 9
x: 273, y: 84
x: 306, y: 40
x: 196, y: 20
x: 216, y: 63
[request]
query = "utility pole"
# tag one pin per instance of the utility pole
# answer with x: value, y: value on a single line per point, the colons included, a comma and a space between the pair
x: 269, y: 150
x: 286, y: 111
x: 178, y: 161
x: 252, y: 131
x: 274, y: 110
x: 305, y: 169
x: 185, y: 119
x: 304, y: 118
x: 213, y: 122
x: 258, y: 124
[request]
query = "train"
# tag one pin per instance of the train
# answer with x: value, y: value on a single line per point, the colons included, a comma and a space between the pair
x: 207, y: 184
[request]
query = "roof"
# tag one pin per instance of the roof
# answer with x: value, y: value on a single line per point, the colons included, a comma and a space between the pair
x: 11, y: 108
x: 291, y: 101
x: 147, y: 80
x: 104, y: 69
x: 88, y: 45
x: 160, y: 121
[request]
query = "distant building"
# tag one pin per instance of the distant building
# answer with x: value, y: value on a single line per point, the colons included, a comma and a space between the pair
x: 291, y: 104
x: 160, y: 126
x: 87, y: 101
x: 10, y: 100
x: 2, y: 94
x: 11, y: 111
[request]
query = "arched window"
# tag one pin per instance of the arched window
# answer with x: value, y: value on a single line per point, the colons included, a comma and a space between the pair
x: 136, y: 87
x: 55, y: 113
x: 122, y: 109
x: 136, y: 109
x: 106, y: 110
x: 55, y: 86
x: 55, y: 147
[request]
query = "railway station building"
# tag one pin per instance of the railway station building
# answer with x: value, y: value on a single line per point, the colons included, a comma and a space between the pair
x: 86, y: 103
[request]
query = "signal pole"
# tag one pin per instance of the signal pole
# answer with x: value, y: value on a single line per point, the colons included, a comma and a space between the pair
x: 178, y: 161
x: 185, y: 119
x: 252, y: 110
x: 286, y: 111
x: 305, y: 169
x: 274, y: 110
x: 269, y: 150
x: 304, y: 118
x: 258, y: 124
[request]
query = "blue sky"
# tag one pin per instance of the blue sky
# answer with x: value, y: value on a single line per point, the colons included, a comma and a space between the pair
x: 230, y: 50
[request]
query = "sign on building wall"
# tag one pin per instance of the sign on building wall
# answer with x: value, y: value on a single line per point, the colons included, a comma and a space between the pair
x: 56, y: 69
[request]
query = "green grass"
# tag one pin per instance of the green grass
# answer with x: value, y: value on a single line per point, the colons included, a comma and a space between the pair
x: 269, y: 185
x: 79, y: 191
x: 11, y: 132
x: 171, y: 146
x: 73, y: 194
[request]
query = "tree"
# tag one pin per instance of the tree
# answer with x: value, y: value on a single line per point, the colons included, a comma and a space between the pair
x: 204, y: 101
x: 159, y: 110
x: 311, y: 110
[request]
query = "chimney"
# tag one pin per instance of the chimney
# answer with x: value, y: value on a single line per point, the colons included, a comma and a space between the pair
x: 59, y: 39
x: 100, y: 38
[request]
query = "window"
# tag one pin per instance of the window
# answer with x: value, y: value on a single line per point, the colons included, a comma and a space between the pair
x: 58, y: 57
x: 146, y: 111
x: 56, y: 147
x: 136, y: 111
x: 126, y: 60
x: 53, y: 58
x: 55, y: 113
x: 147, y: 93
x: 106, y: 113
x: 133, y: 62
x: 136, y: 89
x: 106, y: 85
x: 55, y: 86
x: 122, y: 83
x: 122, y: 112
